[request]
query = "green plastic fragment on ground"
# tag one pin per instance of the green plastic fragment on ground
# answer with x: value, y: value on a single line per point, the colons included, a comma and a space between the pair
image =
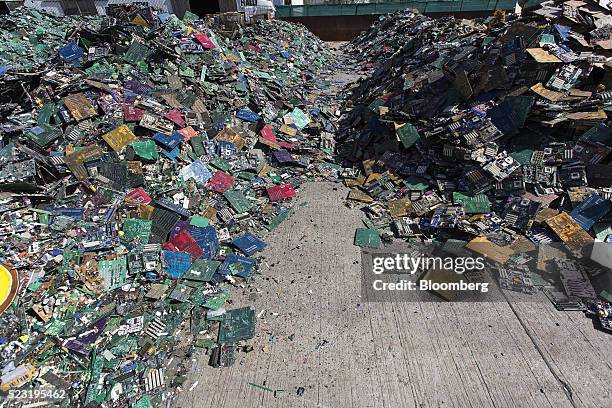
x: 113, y: 272
x: 123, y: 345
x: 408, y: 135
x: 219, y: 163
x: 300, y: 119
x: 197, y: 145
x: 46, y: 112
x: 101, y: 70
x: 198, y: 221
x: 367, y: 238
x: 94, y: 393
x: 137, y: 53
x: 246, y: 175
x: 61, y: 223
x: 547, y: 39
x: 277, y: 220
x: 522, y: 156
x: 42, y: 135
x: 34, y: 286
x: 202, y: 270
x: 189, y: 16
x: 192, y: 156
x: 70, y: 257
x: 87, y: 292
x: 135, y: 227
x: 416, y: 183
x: 477, y: 204
x: 263, y: 75
x: 238, y: 201
x: 209, y: 86
x: 237, y: 325
x: 214, y: 302
x: 187, y: 72
x: 55, y: 328
x: 277, y: 392
x: 376, y: 104
x: 186, y: 98
x: 43, y: 218
x: 146, y: 150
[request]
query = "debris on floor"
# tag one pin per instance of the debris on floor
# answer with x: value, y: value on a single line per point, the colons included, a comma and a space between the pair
x: 277, y: 392
x: 489, y: 137
x: 143, y: 158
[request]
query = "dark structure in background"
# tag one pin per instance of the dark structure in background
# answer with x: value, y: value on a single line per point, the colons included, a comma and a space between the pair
x: 180, y: 7
x: 345, y: 28
x: 227, y: 5
x: 335, y: 28
x: 202, y: 7
x: 7, y: 6
x: 85, y: 7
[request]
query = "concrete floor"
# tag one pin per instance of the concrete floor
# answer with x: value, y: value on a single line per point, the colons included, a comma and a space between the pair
x: 315, y: 333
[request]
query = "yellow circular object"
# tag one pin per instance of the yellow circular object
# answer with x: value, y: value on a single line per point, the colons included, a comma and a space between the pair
x: 9, y: 282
